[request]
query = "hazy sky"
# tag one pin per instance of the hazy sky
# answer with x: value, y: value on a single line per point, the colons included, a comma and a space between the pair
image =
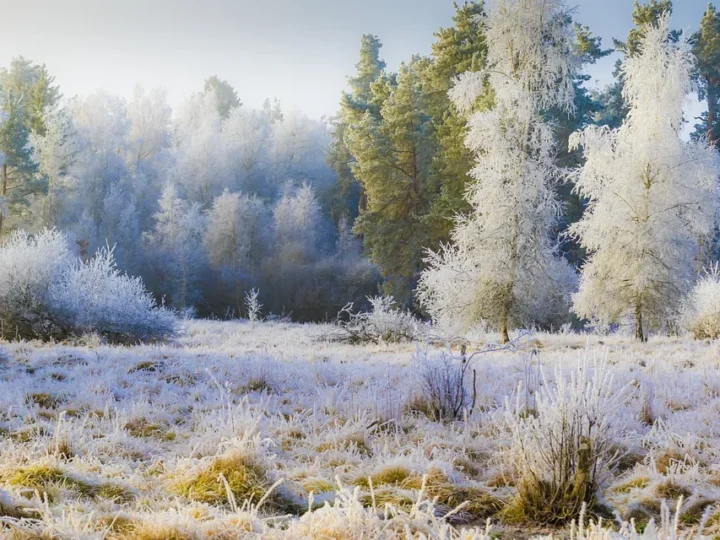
x: 300, y: 51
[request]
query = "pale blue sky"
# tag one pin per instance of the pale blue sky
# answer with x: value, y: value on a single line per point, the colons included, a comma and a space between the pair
x: 300, y: 51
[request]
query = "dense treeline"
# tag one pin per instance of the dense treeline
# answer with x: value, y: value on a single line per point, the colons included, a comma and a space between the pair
x: 399, y: 144
x: 204, y: 204
x: 214, y: 199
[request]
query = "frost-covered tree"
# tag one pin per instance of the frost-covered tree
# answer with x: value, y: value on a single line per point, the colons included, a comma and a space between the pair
x: 175, y: 248
x: 348, y: 246
x: 202, y: 164
x: 102, y: 160
x: 296, y: 223
x: 149, y: 133
x: 298, y: 151
x: 148, y: 150
x: 613, y: 106
x: 102, y: 125
x: 121, y: 227
x: 235, y: 239
x: 54, y: 151
x: 502, y: 263
x: 248, y: 135
x: 653, y: 197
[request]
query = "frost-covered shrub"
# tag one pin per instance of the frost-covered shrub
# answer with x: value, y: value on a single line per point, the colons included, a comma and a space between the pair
x: 701, y: 310
x: 253, y: 306
x: 95, y: 297
x: 384, y: 323
x: 390, y: 323
x: 29, y: 266
x: 562, y: 449
x: 45, y: 294
x: 445, y: 382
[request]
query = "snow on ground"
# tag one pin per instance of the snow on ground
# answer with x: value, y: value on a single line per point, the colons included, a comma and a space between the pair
x: 184, y: 440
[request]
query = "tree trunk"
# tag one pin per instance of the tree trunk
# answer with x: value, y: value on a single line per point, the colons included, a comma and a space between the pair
x: 362, y: 205
x: 3, y: 193
x: 639, y: 335
x: 712, y: 111
x: 504, y: 337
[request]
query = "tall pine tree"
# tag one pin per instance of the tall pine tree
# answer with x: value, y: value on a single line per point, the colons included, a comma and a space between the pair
x: 706, y: 47
x: 26, y: 91
x: 457, y: 49
x: 346, y: 196
x: 392, y: 158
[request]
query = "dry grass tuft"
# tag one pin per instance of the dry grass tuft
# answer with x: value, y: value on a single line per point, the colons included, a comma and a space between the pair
x: 141, y: 428
x: 670, y: 491
x: 478, y: 503
x: 48, y: 479
x: 246, y: 478
x: 392, y: 476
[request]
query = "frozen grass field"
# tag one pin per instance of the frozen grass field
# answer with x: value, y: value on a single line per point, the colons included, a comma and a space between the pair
x: 236, y: 431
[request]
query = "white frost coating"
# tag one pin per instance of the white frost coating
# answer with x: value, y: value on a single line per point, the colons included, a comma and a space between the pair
x: 146, y: 417
x: 653, y: 197
x: 296, y: 221
x: 44, y: 293
x: 94, y: 296
x: 700, y: 312
x: 502, y: 264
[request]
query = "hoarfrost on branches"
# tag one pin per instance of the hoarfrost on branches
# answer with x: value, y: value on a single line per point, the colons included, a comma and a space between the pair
x: 45, y: 294
x: 653, y: 198
x: 502, y: 265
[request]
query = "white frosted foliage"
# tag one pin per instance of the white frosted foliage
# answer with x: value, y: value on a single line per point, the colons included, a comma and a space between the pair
x: 653, y: 198
x: 502, y: 264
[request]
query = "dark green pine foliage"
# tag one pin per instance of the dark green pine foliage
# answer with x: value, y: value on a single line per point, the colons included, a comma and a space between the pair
x: 227, y: 98
x: 26, y: 91
x: 706, y: 47
x: 457, y: 49
x: 345, y: 198
x: 393, y: 146
x: 407, y: 147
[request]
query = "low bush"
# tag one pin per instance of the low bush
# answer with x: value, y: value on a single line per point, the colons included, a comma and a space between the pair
x: 385, y: 323
x: 95, y: 297
x: 46, y: 294
x: 29, y: 268
x: 562, y: 449
x: 446, y: 385
x: 701, y: 310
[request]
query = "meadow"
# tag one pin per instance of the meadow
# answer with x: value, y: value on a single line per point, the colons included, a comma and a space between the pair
x: 282, y: 430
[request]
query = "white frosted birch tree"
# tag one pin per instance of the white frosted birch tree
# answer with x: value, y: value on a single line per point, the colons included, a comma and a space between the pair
x: 502, y: 264
x: 236, y: 235
x: 652, y: 196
